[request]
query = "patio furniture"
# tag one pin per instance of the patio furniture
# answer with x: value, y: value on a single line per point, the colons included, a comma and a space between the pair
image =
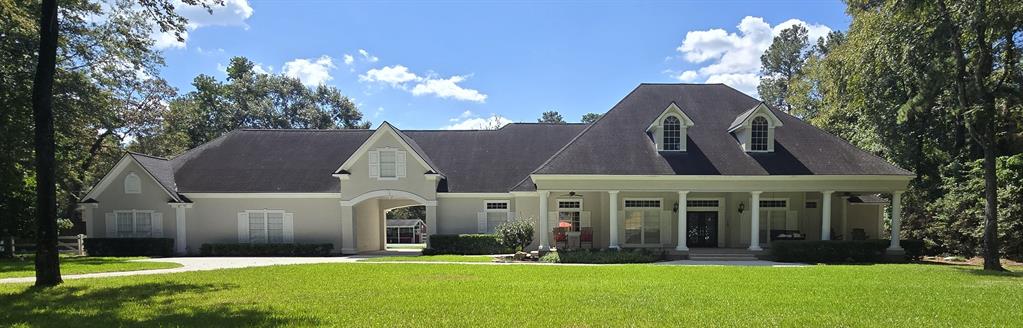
x: 787, y: 235
x: 586, y: 237
x: 560, y: 237
x: 859, y: 234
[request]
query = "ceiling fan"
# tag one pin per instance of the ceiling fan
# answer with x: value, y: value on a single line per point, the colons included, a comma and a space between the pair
x: 571, y: 194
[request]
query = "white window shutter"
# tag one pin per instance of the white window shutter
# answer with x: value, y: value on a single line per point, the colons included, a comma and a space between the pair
x: 584, y: 219
x: 399, y: 163
x: 111, y: 224
x: 243, y: 227
x: 157, y: 225
x: 666, y: 226
x: 552, y: 219
x: 374, y: 163
x: 289, y: 227
x: 481, y: 222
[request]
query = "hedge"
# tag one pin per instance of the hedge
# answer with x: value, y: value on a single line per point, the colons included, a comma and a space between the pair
x: 129, y: 246
x: 914, y: 248
x: 603, y: 256
x: 266, y: 249
x: 829, y: 251
x: 466, y: 244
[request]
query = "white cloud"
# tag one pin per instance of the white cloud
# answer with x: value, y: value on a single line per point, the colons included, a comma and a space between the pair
x: 734, y: 58
x: 400, y: 77
x: 448, y: 88
x: 396, y: 75
x: 366, y: 56
x: 468, y: 121
x: 349, y: 59
x: 312, y: 72
x: 232, y: 13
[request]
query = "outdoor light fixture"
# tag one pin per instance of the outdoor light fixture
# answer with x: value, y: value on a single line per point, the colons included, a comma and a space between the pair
x: 675, y: 208
x: 742, y: 207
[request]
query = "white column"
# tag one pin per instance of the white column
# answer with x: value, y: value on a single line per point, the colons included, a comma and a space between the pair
x: 613, y: 222
x: 754, y: 238
x: 431, y: 219
x: 682, y: 217
x: 181, y: 238
x: 541, y: 224
x: 896, y: 220
x: 826, y: 214
x: 347, y: 228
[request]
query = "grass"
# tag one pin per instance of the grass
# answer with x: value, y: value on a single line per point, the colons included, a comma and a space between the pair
x: 24, y: 266
x: 433, y: 258
x: 415, y: 295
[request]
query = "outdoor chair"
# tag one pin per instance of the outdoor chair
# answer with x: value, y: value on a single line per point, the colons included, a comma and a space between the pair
x: 560, y: 237
x: 586, y: 237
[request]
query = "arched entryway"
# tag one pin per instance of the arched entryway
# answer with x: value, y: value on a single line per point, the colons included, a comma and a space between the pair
x: 363, y: 218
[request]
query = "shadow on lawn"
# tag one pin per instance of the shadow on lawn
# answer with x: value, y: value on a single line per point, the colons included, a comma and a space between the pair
x: 975, y: 270
x: 147, y: 304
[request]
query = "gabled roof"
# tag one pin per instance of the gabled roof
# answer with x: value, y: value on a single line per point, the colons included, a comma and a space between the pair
x: 610, y: 146
x: 156, y: 168
x: 742, y: 119
x: 417, y: 152
x: 671, y: 109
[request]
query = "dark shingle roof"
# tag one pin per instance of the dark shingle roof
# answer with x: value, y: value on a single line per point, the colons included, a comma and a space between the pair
x: 618, y: 142
x: 161, y: 169
x: 303, y: 160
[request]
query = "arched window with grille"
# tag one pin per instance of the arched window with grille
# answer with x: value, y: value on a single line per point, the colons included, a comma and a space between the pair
x: 672, y: 133
x: 758, y: 134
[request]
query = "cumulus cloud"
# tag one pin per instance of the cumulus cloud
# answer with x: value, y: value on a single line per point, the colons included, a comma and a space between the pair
x: 232, y: 13
x: 349, y: 59
x: 469, y: 121
x: 734, y: 58
x: 311, y: 72
x: 366, y: 56
x: 401, y: 77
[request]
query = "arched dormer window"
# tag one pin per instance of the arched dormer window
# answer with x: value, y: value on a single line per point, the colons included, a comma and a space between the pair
x: 672, y: 133
x: 132, y: 184
x: 758, y: 134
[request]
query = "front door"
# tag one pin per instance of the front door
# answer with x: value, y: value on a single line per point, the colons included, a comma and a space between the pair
x: 702, y: 229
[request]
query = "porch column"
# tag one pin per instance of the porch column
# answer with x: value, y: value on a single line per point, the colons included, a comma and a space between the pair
x: 682, y: 235
x: 347, y: 228
x: 541, y: 224
x: 754, y: 238
x: 431, y: 219
x: 613, y: 222
x: 896, y: 220
x: 181, y: 236
x: 826, y: 214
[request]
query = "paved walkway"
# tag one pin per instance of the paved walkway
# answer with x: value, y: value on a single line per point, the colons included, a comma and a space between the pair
x: 189, y: 264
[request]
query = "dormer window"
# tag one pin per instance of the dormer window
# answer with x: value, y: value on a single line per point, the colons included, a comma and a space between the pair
x: 672, y: 133
x: 755, y: 128
x: 758, y: 134
x: 668, y: 130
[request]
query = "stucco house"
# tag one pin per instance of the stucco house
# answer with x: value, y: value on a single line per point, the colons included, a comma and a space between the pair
x: 671, y: 166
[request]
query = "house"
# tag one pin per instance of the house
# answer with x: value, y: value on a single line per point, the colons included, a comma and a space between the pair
x: 406, y: 231
x: 671, y: 166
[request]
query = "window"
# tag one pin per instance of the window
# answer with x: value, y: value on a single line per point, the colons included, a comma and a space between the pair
x: 132, y: 184
x: 672, y: 133
x: 774, y: 204
x: 642, y: 221
x: 758, y: 134
x: 569, y: 214
x: 134, y: 223
x: 812, y: 204
x: 266, y: 226
x: 500, y: 205
x: 702, y: 203
x: 388, y: 164
x: 496, y: 213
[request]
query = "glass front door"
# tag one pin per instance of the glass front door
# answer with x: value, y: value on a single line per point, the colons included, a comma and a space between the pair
x: 702, y: 229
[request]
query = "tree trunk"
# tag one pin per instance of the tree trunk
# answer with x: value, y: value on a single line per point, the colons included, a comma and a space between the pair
x: 47, y: 261
x: 991, y: 244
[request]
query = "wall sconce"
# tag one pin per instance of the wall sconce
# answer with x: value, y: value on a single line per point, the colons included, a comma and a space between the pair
x: 742, y: 207
x: 675, y: 208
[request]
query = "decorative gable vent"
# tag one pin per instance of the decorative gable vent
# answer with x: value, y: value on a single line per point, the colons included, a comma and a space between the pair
x: 754, y: 129
x: 669, y: 129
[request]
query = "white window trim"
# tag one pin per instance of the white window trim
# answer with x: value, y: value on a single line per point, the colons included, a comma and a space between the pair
x: 266, y: 224
x: 659, y: 200
x: 134, y: 222
x: 506, y: 203
x: 137, y: 183
x: 681, y: 133
x: 720, y: 201
x: 569, y: 209
x: 770, y: 134
x: 722, y: 221
x: 788, y: 204
x: 380, y: 163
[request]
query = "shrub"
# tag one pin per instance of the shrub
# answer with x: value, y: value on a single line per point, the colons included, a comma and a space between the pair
x: 266, y: 249
x: 515, y: 234
x: 129, y: 246
x: 467, y: 244
x: 829, y: 251
x: 603, y: 256
x: 914, y: 248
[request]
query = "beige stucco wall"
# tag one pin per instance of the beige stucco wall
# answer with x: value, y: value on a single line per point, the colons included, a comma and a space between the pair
x: 113, y: 198
x: 215, y: 220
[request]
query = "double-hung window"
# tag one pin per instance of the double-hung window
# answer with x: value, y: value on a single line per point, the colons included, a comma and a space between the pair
x: 388, y: 164
x: 134, y: 223
x: 569, y: 213
x: 266, y: 226
x: 496, y: 213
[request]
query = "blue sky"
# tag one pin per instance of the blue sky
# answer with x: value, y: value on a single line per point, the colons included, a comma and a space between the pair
x: 453, y: 64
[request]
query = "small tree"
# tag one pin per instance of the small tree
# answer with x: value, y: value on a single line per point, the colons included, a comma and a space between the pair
x: 516, y: 234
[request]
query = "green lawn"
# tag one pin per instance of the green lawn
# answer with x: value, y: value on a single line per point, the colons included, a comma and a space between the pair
x: 25, y: 267
x: 416, y: 295
x: 433, y: 258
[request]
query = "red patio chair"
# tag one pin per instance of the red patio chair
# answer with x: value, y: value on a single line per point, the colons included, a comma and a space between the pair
x: 586, y: 237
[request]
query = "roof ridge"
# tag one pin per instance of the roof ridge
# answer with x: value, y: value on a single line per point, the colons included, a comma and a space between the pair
x: 304, y: 130
x: 147, y: 155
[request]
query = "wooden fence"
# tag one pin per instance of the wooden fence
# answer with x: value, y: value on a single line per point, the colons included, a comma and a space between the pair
x: 65, y: 244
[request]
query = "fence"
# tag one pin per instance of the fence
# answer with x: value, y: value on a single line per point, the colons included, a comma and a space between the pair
x: 65, y: 244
